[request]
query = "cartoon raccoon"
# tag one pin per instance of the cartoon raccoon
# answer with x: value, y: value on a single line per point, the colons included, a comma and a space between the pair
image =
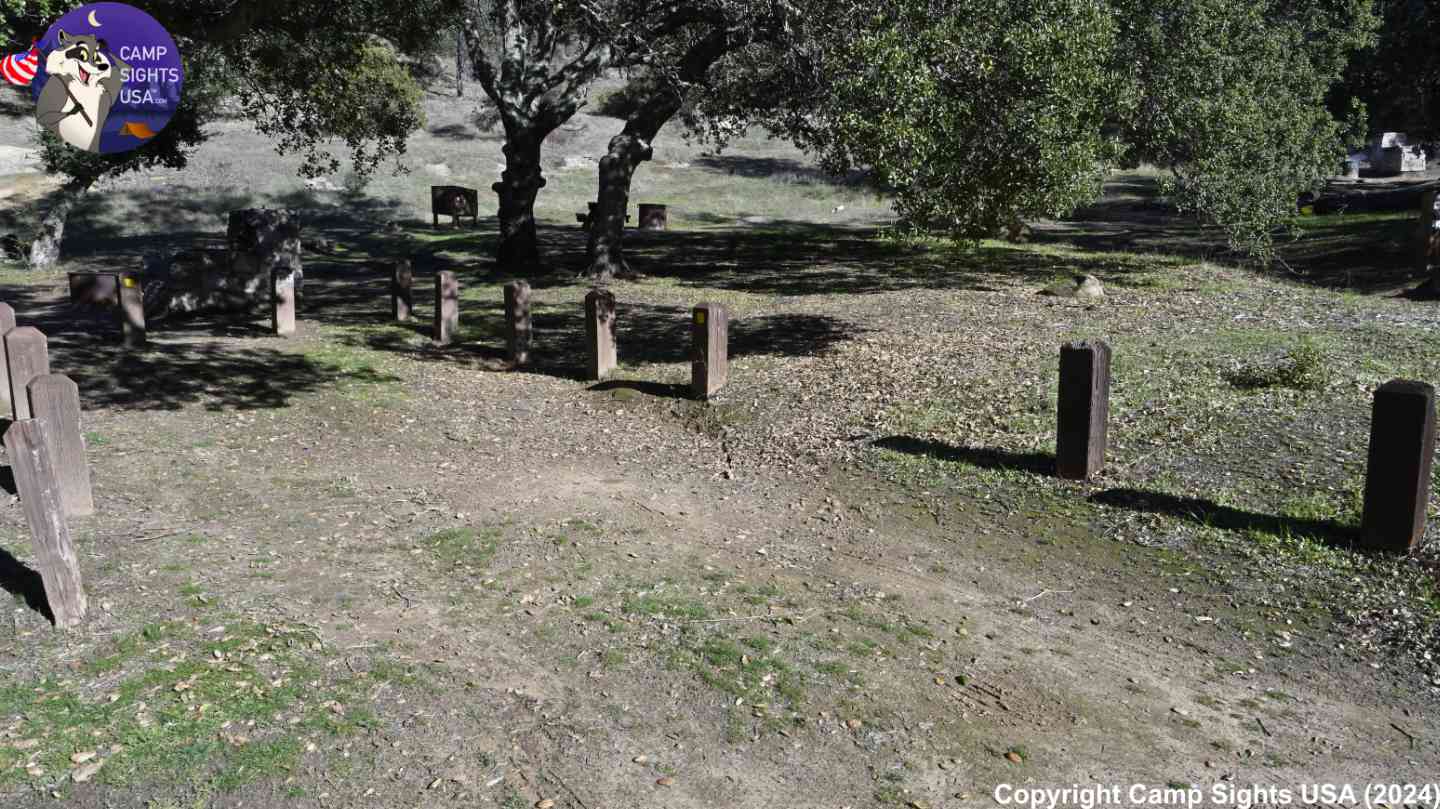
x: 83, y: 83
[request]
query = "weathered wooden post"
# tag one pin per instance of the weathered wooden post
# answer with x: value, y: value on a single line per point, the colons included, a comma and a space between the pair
x: 517, y: 322
x: 55, y: 403
x: 132, y: 310
x: 710, y: 349
x: 7, y: 322
x: 1397, y: 474
x: 447, y: 307
x: 94, y: 290
x: 653, y: 217
x: 402, y: 300
x: 1084, y: 404
x: 30, y: 460
x: 600, y: 332
x: 282, y: 302
x: 27, y: 355
x: 1428, y: 237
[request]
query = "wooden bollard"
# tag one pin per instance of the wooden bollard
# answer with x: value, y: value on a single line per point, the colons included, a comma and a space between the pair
x: 95, y: 289
x: 132, y: 310
x: 600, y: 332
x: 282, y: 302
x: 55, y: 403
x: 710, y: 349
x: 1397, y: 473
x: 1428, y: 236
x: 447, y: 307
x: 517, y: 322
x: 1084, y: 404
x: 7, y: 322
x: 402, y: 300
x: 35, y: 481
x: 27, y: 355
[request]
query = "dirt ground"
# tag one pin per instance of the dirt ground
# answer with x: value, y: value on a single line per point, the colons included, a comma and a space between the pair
x: 630, y: 566
x: 351, y: 569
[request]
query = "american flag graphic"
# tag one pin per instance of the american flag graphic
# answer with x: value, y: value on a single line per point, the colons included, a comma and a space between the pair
x: 19, y: 68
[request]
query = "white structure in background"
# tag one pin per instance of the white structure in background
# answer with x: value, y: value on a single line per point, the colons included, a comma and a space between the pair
x: 1391, y: 153
x: 1388, y: 153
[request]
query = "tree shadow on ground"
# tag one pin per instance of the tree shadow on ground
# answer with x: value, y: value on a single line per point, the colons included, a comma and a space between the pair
x: 170, y: 375
x: 1362, y: 237
x: 799, y: 259
x: 179, y: 366
x: 780, y: 169
x: 644, y: 334
x: 100, y: 235
x: 1035, y: 463
x: 1208, y: 512
x: 657, y: 389
x: 24, y: 583
x: 463, y: 132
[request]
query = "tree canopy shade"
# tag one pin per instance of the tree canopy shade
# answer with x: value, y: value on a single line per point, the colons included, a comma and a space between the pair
x: 1230, y: 95
x: 978, y: 113
x: 304, y: 71
x: 1398, y: 77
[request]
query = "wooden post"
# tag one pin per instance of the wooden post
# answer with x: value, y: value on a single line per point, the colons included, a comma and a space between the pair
x: 26, y: 444
x: 600, y: 332
x: 1429, y: 236
x: 1397, y: 474
x: 132, y: 310
x: 517, y: 322
x: 7, y: 322
x: 710, y: 349
x: 653, y: 217
x: 1084, y: 403
x: 55, y: 403
x: 95, y: 289
x: 282, y: 302
x: 447, y: 307
x: 402, y: 299
x: 27, y: 356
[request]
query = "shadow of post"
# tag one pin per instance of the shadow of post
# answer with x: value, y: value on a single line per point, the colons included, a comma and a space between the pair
x: 1208, y: 512
x: 19, y: 580
x: 1035, y: 463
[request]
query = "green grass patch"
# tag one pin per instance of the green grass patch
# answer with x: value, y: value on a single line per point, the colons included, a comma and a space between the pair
x: 171, y: 704
x: 463, y: 546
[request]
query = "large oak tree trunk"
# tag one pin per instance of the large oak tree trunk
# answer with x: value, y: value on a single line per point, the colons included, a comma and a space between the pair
x: 45, y: 249
x: 630, y: 148
x: 606, y: 249
x: 519, y: 183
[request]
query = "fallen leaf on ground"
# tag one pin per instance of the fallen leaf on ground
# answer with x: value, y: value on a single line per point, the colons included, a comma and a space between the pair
x: 85, y: 773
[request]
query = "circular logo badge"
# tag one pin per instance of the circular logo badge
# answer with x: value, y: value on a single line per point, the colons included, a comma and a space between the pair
x: 107, y: 78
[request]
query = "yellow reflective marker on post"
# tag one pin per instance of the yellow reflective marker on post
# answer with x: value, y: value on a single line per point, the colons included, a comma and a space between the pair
x: 128, y: 281
x: 699, y: 317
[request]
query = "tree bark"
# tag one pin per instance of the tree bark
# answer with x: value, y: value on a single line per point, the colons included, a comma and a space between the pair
x: 459, y: 65
x: 45, y: 249
x: 630, y: 148
x: 627, y: 150
x: 537, y: 84
x: 519, y: 183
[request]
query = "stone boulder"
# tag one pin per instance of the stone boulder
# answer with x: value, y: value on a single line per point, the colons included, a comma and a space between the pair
x: 236, y: 279
x: 1083, y: 287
